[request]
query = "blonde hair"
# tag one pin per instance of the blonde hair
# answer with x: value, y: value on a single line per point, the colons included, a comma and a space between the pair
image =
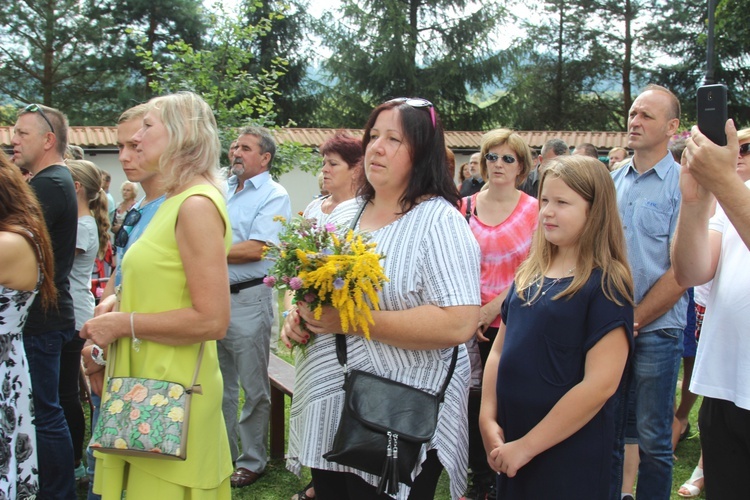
x: 134, y: 113
x: 501, y: 136
x: 90, y: 178
x: 743, y: 135
x: 601, y: 243
x: 131, y: 184
x: 194, y: 148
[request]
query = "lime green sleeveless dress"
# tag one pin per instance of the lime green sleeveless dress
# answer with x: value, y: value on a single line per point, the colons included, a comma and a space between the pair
x: 154, y: 281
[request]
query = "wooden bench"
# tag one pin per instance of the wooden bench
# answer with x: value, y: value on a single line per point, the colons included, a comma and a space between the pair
x: 281, y: 375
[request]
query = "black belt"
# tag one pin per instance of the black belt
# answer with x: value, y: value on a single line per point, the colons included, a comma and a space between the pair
x: 245, y: 284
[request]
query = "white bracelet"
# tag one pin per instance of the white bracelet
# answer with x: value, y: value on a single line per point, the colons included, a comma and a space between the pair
x: 97, y: 354
x: 136, y: 342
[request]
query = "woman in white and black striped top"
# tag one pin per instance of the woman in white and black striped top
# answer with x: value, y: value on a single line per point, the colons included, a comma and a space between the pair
x: 428, y: 306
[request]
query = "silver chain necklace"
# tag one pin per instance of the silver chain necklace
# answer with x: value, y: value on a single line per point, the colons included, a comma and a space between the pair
x: 538, y: 297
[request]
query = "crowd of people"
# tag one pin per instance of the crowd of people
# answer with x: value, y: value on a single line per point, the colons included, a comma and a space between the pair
x: 546, y: 295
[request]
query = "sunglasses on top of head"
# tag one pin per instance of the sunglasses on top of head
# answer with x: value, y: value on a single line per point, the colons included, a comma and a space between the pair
x: 35, y: 108
x: 493, y: 157
x: 418, y: 102
x: 745, y: 149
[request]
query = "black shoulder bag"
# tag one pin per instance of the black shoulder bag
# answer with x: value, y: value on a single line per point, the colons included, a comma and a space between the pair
x: 384, y: 424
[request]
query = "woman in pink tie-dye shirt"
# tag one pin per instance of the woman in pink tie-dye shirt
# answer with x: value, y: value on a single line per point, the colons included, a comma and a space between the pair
x: 503, y: 220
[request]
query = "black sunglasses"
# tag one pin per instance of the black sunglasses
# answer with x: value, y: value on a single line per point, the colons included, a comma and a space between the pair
x: 493, y: 157
x: 745, y: 149
x: 418, y: 102
x: 35, y: 108
x: 123, y: 235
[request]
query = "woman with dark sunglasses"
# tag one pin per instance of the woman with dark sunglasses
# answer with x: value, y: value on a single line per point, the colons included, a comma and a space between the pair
x: 429, y: 306
x: 503, y: 220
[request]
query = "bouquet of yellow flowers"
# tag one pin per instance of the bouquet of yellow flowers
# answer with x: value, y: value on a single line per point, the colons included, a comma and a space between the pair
x: 321, y: 267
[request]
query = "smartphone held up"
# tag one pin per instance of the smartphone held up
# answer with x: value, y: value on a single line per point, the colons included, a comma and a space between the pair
x: 712, y: 112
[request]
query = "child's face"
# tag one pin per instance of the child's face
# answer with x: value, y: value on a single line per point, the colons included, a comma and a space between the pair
x: 563, y: 213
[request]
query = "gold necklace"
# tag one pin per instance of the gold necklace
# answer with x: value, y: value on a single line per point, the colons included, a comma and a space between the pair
x: 539, y: 296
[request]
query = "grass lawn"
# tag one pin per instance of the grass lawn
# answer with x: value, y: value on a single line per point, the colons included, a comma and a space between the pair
x: 279, y: 484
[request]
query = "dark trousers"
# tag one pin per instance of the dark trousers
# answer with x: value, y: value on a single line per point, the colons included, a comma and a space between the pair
x: 54, y: 447
x: 70, y: 392
x: 725, y: 440
x: 330, y: 485
x: 477, y: 455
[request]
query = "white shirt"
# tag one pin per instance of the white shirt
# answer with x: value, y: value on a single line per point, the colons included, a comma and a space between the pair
x: 722, y: 364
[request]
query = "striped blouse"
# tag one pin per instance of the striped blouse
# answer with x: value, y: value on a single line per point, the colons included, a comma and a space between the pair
x: 431, y: 259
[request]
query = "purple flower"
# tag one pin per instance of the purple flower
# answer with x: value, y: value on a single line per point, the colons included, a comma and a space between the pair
x: 326, y: 251
x: 330, y: 227
x: 269, y: 281
x: 295, y: 283
x: 338, y: 283
x: 309, y: 297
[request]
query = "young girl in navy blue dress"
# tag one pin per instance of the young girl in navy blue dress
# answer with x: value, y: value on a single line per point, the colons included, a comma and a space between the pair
x: 559, y: 356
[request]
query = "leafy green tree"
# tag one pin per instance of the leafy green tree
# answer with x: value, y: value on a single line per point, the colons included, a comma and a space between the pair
x: 441, y: 50
x: 79, y: 55
x: 286, y: 41
x: 46, y: 51
x: 685, y: 31
x: 556, y: 81
x: 217, y: 72
x: 153, y: 25
x: 8, y: 114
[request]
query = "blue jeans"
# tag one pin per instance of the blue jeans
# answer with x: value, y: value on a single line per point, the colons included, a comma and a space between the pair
x: 54, y: 446
x: 656, y: 363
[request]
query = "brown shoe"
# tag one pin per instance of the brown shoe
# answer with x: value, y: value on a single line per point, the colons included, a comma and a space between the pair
x: 243, y: 477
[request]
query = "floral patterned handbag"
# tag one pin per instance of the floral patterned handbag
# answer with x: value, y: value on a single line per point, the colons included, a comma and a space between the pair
x: 145, y: 417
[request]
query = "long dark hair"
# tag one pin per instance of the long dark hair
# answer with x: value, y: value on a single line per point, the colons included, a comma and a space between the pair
x: 20, y: 213
x: 429, y: 174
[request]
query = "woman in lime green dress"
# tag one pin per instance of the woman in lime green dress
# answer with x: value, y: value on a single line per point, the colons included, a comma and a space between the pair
x: 175, y: 295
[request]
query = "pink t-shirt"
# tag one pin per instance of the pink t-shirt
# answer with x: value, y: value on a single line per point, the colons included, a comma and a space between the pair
x: 504, y: 246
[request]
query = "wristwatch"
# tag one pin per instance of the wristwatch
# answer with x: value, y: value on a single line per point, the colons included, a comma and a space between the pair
x: 97, y: 354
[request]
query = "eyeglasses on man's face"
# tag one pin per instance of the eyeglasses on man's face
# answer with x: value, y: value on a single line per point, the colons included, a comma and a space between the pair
x: 35, y: 108
x: 745, y: 149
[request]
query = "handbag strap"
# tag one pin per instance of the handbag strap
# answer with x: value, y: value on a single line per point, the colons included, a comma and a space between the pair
x: 341, y: 339
x: 195, y: 389
x: 468, y: 208
x: 341, y: 355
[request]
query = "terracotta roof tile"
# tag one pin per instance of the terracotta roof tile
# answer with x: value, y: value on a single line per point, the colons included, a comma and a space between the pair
x: 106, y: 137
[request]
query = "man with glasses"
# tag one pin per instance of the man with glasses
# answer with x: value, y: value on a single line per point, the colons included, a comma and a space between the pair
x: 551, y: 149
x: 254, y: 200
x: 474, y: 183
x: 39, y: 141
x: 135, y: 222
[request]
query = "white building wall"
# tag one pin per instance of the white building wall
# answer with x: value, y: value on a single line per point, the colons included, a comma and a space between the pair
x: 301, y: 186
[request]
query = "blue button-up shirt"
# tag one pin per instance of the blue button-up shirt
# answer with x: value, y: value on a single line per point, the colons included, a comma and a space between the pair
x: 251, y: 213
x: 649, y: 204
x: 147, y: 213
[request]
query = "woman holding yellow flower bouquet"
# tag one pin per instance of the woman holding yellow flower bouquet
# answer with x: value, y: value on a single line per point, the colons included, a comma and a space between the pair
x: 175, y: 297
x: 428, y: 307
